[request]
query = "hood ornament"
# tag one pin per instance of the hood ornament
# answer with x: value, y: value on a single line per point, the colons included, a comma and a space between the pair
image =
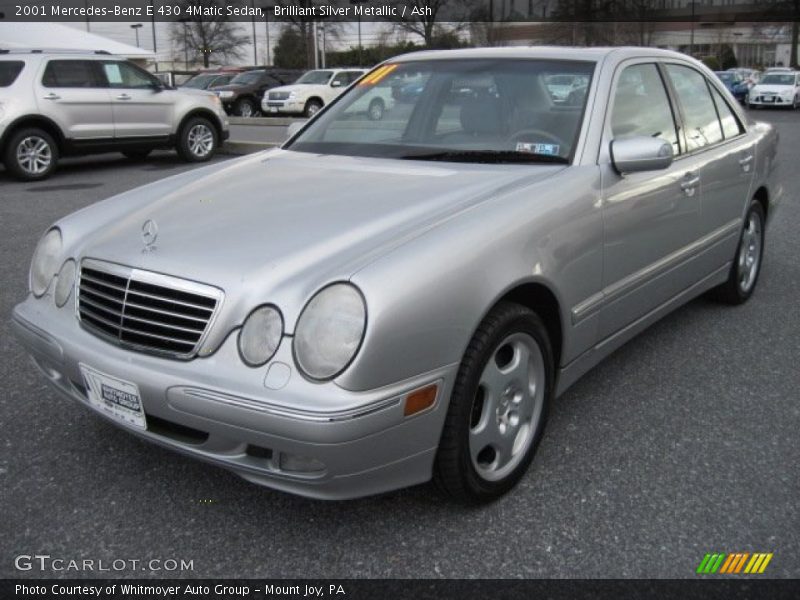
x: 149, y: 235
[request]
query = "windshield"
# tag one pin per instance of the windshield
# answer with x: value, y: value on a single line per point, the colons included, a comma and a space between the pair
x: 776, y: 79
x: 199, y: 81
x: 315, y: 77
x: 727, y: 77
x: 476, y: 110
x: 246, y: 78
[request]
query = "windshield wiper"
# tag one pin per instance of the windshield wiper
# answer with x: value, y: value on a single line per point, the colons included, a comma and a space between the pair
x: 488, y: 156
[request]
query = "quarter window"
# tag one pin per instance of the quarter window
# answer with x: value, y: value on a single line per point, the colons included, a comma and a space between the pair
x: 702, y: 126
x: 641, y: 106
x: 9, y: 70
x: 70, y: 74
x: 730, y: 124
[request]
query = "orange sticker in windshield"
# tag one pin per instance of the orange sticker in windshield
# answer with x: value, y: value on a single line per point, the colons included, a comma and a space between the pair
x: 377, y: 75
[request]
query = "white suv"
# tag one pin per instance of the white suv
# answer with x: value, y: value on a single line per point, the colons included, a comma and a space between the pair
x: 55, y: 103
x: 314, y: 90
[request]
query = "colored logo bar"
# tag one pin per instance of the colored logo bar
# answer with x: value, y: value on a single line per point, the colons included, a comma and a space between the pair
x: 733, y: 563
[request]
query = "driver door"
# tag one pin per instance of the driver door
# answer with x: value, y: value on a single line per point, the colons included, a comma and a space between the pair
x: 142, y: 108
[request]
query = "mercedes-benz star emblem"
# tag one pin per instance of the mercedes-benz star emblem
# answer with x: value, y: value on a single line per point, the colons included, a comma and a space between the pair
x: 149, y: 233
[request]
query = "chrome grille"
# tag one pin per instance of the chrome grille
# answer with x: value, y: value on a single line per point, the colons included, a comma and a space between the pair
x: 278, y: 95
x: 146, y: 311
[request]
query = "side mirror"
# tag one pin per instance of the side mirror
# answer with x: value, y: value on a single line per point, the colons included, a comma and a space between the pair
x: 336, y: 83
x: 640, y: 153
x: 294, y: 128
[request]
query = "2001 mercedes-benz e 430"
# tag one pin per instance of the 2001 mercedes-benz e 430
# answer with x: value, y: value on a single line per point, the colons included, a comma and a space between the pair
x: 384, y: 301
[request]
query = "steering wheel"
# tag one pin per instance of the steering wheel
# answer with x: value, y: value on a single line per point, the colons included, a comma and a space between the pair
x: 538, y: 133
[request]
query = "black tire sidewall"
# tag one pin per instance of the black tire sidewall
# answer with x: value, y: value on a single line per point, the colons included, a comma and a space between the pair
x: 308, y: 112
x: 504, y: 320
x: 755, y: 206
x: 379, y: 103
x: 10, y: 154
x: 240, y: 103
x: 183, y: 140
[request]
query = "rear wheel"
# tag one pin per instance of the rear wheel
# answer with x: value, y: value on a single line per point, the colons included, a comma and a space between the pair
x: 198, y: 140
x: 746, y: 265
x: 376, y: 109
x: 245, y: 107
x: 31, y: 154
x: 498, y: 407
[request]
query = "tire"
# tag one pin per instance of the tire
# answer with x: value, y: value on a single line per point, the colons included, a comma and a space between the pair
x: 376, y: 109
x: 747, y: 261
x: 313, y: 106
x: 795, y: 103
x: 494, y: 422
x: 198, y: 140
x: 31, y: 154
x: 137, y: 155
x: 245, y: 107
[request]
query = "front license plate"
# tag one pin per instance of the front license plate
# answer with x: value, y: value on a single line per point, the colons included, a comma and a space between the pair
x: 117, y: 398
x: 273, y: 109
x: 768, y: 99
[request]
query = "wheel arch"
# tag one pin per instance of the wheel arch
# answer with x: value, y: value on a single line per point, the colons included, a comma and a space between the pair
x: 206, y: 114
x: 762, y: 196
x: 39, y: 121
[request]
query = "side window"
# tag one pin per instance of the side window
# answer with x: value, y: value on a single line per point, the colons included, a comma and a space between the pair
x: 730, y: 124
x: 700, y: 117
x: 125, y: 75
x: 641, y: 106
x: 342, y: 79
x: 70, y: 74
x: 352, y: 76
x: 9, y: 70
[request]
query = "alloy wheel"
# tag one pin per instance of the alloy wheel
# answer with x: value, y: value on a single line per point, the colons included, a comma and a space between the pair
x: 200, y: 140
x: 34, y: 155
x: 750, y: 252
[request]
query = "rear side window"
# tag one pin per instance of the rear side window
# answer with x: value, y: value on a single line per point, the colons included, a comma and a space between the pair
x: 9, y: 71
x: 642, y: 107
x: 125, y: 75
x: 699, y: 114
x: 730, y: 124
x: 71, y: 74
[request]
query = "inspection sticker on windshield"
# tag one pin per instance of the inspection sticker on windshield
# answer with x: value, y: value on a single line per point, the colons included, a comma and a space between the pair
x: 547, y: 149
x: 117, y: 398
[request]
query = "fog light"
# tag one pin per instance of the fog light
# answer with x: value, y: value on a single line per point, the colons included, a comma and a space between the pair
x: 420, y: 399
x: 300, y: 464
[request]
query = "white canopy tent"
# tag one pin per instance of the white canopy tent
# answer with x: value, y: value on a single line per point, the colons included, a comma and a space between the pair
x: 62, y: 37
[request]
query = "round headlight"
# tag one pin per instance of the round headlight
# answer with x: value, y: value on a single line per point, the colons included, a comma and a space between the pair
x: 260, y: 335
x: 45, y: 261
x: 329, y: 331
x: 66, y: 279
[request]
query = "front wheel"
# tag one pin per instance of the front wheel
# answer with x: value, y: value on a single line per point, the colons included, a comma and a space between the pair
x: 498, y: 407
x: 197, y: 140
x: 376, y: 110
x: 312, y: 108
x: 245, y: 107
x: 746, y: 265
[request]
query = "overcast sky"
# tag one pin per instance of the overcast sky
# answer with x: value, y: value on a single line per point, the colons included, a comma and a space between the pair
x: 122, y: 32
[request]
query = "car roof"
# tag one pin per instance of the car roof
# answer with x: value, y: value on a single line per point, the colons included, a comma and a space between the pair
x: 594, y: 54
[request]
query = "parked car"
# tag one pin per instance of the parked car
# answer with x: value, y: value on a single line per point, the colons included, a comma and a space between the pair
x: 209, y: 79
x: 379, y: 302
x: 735, y: 83
x: 242, y: 95
x: 310, y: 93
x: 174, y: 78
x: 55, y: 104
x: 776, y: 88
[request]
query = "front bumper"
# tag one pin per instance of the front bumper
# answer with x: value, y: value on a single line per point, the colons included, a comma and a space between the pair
x: 769, y: 101
x: 220, y: 411
x: 285, y: 107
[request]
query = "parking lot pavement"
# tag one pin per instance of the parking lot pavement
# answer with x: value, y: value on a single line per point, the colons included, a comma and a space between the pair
x: 683, y: 442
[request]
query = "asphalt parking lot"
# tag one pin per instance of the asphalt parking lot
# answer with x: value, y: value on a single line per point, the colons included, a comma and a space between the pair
x: 683, y: 442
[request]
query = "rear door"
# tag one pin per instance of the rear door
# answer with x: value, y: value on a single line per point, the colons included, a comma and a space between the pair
x: 142, y: 107
x: 725, y: 153
x: 71, y: 92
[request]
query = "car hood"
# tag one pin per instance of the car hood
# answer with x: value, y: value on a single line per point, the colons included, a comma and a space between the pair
x: 276, y: 226
x: 297, y: 87
x: 775, y: 89
x: 228, y: 87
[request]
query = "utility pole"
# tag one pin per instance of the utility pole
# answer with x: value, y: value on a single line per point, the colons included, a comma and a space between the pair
x: 255, y: 44
x: 266, y: 26
x: 691, y: 39
x: 314, y: 43
x: 153, y: 23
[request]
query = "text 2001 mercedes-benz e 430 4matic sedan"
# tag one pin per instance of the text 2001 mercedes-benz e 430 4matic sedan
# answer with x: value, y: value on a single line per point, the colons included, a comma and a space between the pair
x: 384, y: 301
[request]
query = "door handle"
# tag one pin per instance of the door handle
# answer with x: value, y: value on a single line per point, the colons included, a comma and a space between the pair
x: 52, y: 96
x: 745, y: 162
x: 690, y: 183
x: 123, y: 97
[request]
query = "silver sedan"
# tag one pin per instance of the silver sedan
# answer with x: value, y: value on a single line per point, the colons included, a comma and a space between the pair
x: 384, y: 301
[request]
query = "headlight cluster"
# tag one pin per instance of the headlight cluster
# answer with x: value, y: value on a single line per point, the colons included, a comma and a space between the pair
x: 326, y: 339
x: 226, y: 94
x: 43, y: 268
x: 45, y: 262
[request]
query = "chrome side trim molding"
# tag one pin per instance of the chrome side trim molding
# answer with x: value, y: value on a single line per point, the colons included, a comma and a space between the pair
x: 596, y: 301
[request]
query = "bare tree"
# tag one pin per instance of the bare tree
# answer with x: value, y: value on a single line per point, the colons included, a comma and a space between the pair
x: 423, y: 17
x: 216, y: 39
